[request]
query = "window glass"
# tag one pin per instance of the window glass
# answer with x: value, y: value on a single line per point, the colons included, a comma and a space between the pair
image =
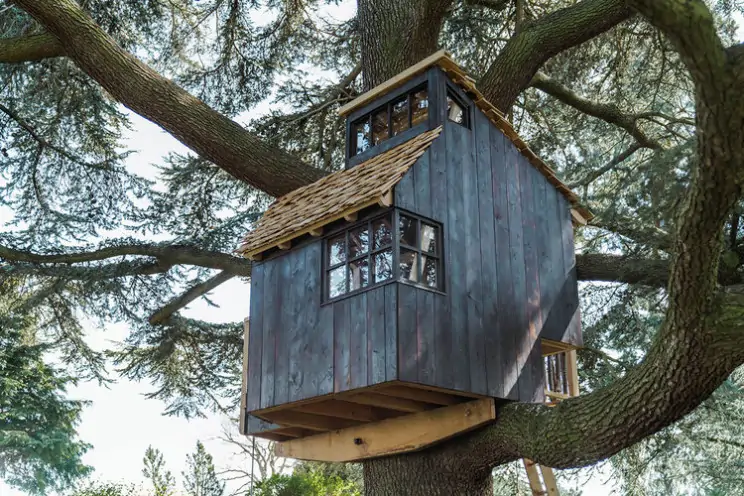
x: 358, y: 242
x: 360, y: 129
x: 408, y: 265
x: 383, y: 235
x: 337, y: 281
x: 430, y: 277
x: 428, y: 238
x: 383, y: 266
x: 455, y: 111
x: 419, y: 107
x: 358, y: 274
x: 336, y: 250
x: 380, y: 126
x: 407, y: 230
x: 399, y: 116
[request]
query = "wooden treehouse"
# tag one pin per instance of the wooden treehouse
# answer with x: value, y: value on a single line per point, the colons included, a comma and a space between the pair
x: 395, y: 303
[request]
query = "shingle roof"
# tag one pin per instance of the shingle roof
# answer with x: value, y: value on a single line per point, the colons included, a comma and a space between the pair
x: 335, y: 196
x: 461, y: 78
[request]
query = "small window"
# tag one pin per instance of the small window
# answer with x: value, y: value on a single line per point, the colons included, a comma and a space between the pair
x: 389, y: 120
x: 420, y: 254
x: 457, y: 111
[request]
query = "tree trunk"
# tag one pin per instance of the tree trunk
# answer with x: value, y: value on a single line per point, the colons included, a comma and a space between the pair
x: 396, y: 34
x: 420, y: 475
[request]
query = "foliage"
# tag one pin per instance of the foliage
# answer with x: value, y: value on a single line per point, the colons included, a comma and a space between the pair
x: 310, y: 483
x: 106, y: 489
x: 200, y: 478
x: 154, y: 469
x: 39, y: 448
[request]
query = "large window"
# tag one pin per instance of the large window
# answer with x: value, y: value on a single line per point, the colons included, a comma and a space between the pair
x: 389, y: 120
x: 374, y: 252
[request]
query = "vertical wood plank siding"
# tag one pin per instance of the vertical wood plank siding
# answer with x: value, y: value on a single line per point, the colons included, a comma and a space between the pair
x: 509, y: 279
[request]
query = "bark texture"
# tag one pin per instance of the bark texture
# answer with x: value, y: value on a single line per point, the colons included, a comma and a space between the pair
x: 205, y: 131
x: 418, y: 476
x: 29, y: 48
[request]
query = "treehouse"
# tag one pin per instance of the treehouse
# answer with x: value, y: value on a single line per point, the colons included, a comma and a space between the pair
x: 394, y: 303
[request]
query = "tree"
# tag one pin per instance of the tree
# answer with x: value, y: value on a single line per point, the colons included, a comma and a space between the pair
x: 306, y: 484
x: 163, y: 482
x: 107, y: 489
x: 200, y: 478
x: 651, y: 135
x: 39, y: 448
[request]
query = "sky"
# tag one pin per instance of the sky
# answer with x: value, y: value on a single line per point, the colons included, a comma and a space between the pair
x: 120, y: 422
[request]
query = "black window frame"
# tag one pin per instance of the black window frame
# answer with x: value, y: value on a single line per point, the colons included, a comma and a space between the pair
x: 388, y: 107
x: 395, y: 245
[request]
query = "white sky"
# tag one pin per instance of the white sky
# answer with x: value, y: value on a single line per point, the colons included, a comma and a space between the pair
x: 120, y: 422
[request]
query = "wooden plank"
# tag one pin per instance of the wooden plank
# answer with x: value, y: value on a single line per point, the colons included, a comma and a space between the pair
x: 391, y: 332
x: 550, y: 301
x: 341, y: 346
x: 405, y: 196
x: 426, y: 366
x: 286, y: 292
x: 255, y: 426
x: 358, y: 341
x: 376, y: 336
x: 310, y: 421
x: 457, y: 145
x: 294, y: 432
x: 244, y: 377
x: 551, y: 485
x: 433, y: 397
x: 316, y: 336
x: 408, y: 345
x: 533, y: 477
x: 392, y: 83
x: 393, y: 436
x: 271, y: 306
x: 255, y: 348
x: 390, y: 402
x: 572, y: 373
x: 347, y: 410
x: 516, y: 320
x: 422, y: 185
x: 506, y: 325
x: 297, y: 324
x: 427, y: 387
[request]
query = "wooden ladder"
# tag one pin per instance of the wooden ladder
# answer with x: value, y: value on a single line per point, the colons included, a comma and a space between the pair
x: 542, y: 479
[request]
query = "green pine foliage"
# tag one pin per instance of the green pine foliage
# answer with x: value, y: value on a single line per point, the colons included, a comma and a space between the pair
x: 313, y: 483
x: 163, y: 483
x: 200, y: 478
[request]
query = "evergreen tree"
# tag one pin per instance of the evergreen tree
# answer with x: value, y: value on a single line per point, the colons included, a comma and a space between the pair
x: 200, y: 479
x: 162, y: 481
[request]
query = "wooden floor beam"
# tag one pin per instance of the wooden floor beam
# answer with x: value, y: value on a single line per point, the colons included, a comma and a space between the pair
x: 389, y: 402
x: 392, y: 436
x: 415, y: 394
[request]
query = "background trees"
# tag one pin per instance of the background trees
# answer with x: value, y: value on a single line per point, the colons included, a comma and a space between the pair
x: 637, y: 104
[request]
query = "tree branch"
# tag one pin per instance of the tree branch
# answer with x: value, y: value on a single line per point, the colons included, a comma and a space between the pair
x: 141, y: 89
x: 542, y: 39
x: 30, y: 48
x: 192, y: 294
x: 622, y: 269
x: 645, y: 234
x: 611, y: 165
x: 608, y: 112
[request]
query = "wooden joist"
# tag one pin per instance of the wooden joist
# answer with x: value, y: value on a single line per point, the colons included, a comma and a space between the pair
x: 423, y: 395
x: 389, y: 402
x: 293, y: 418
x: 347, y: 410
x: 392, y: 436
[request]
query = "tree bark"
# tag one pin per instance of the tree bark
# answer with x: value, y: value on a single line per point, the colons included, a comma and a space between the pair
x: 418, y: 476
x: 29, y: 48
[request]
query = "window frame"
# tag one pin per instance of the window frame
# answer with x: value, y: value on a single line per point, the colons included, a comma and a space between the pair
x: 395, y: 245
x: 455, y: 95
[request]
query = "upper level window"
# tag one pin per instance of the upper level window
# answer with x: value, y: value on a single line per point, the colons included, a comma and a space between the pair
x: 457, y: 111
x: 373, y: 252
x: 389, y: 120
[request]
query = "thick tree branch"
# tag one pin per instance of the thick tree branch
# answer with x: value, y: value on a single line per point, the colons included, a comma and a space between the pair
x: 192, y: 294
x: 542, y: 39
x: 622, y: 269
x: 88, y: 273
x: 608, y: 112
x: 645, y: 234
x: 29, y: 48
x: 611, y: 165
x: 134, y: 84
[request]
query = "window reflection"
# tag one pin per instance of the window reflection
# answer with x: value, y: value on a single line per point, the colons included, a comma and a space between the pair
x: 358, y: 274
x: 360, y: 129
x: 383, y: 266
x: 399, y: 116
x: 456, y: 111
x: 380, y: 130
x: 408, y: 265
x: 407, y: 229
x: 419, y: 107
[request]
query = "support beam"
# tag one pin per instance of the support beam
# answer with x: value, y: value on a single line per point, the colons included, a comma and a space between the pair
x: 391, y: 436
x: 390, y: 402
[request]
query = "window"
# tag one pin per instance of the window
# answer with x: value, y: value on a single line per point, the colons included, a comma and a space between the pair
x: 389, y: 120
x: 457, y: 111
x: 420, y: 253
x: 374, y: 252
x: 360, y: 257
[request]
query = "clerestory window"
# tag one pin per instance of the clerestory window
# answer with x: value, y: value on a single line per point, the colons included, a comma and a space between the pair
x: 394, y: 246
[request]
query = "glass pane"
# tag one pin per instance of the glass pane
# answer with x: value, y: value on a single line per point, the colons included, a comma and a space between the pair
x: 336, y: 250
x: 361, y: 129
x: 407, y: 230
x: 359, y: 274
x: 408, y: 265
x: 430, y: 276
x: 419, y: 107
x: 383, y: 266
x: 455, y: 112
x: 428, y: 238
x: 337, y: 281
x: 358, y: 241
x: 379, y: 126
x: 382, y: 231
x: 400, y: 116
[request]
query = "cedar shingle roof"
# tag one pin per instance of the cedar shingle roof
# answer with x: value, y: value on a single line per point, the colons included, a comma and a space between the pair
x: 461, y: 78
x: 335, y: 196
